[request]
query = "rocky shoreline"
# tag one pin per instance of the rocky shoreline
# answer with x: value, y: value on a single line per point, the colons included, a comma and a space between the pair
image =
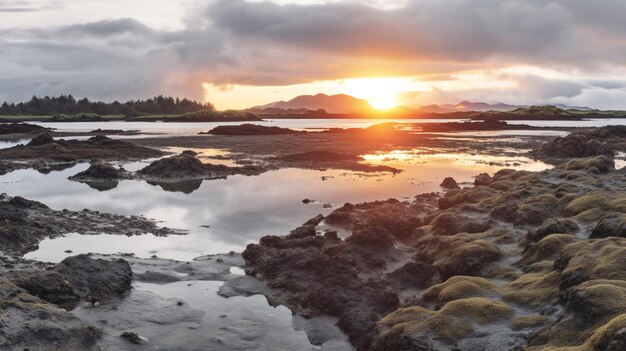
x: 528, y: 260
x: 519, y: 261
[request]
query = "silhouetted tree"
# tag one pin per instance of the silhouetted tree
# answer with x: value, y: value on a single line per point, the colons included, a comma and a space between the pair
x: 67, y: 104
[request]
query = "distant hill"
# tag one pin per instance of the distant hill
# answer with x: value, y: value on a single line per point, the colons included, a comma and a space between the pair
x: 340, y: 103
x: 345, y: 104
x: 465, y: 106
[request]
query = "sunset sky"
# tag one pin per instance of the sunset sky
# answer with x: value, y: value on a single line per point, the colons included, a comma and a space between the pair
x: 239, y: 53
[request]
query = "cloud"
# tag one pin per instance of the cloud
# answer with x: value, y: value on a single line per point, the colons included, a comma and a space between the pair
x: 265, y: 43
x: 27, y: 6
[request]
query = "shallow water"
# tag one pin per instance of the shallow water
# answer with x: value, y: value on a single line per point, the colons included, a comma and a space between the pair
x: 182, y: 129
x: 210, y: 322
x: 226, y: 214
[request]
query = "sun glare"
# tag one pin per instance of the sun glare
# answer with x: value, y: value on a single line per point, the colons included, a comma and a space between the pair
x: 381, y: 93
x: 385, y: 103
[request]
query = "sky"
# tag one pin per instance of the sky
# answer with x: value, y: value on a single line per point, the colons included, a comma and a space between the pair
x: 238, y: 53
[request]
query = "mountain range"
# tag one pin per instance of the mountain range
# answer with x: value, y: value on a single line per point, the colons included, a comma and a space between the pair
x: 346, y: 104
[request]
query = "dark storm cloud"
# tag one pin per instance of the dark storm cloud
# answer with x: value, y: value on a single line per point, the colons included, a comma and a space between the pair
x: 237, y: 42
x: 454, y: 30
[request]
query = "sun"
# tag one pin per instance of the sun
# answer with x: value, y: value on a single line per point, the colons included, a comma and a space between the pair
x: 381, y: 93
x: 383, y: 103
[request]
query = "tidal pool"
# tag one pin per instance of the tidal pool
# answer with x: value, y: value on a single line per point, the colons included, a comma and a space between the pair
x: 224, y: 215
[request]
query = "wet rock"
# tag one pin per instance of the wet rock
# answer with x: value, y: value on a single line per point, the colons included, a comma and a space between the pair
x: 449, y: 223
x: 466, y: 196
x: 553, y: 226
x: 99, y: 172
x: 449, y: 183
x: 17, y: 128
x: 44, y: 147
x: 595, y: 142
x: 418, y: 323
x: 179, y: 166
x: 190, y: 153
x: 598, y: 165
x: 456, y: 255
x: 315, y: 221
x: 397, y: 218
x: 41, y: 139
x: 96, y: 278
x: 302, y: 232
x: 26, y: 222
x: 188, y: 167
x: 132, y: 337
x: 29, y: 323
x: 609, y: 226
x: 414, y: 275
x: 482, y: 179
x: 78, y: 277
x: 326, y: 283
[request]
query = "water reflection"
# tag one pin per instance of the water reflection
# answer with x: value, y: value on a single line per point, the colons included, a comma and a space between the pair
x: 241, y: 209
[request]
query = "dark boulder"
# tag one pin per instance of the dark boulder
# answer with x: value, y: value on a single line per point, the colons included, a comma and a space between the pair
x: 609, y: 226
x: 449, y: 183
x: 41, y: 139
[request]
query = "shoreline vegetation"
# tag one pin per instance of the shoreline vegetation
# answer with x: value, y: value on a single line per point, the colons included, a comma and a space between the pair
x: 168, y: 109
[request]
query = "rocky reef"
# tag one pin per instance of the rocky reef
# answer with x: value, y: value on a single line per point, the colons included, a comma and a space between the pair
x: 20, y: 128
x: 43, y: 151
x: 250, y: 129
x: 520, y: 260
x: 601, y: 141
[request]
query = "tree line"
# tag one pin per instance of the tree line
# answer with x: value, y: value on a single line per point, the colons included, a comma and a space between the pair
x: 68, y: 105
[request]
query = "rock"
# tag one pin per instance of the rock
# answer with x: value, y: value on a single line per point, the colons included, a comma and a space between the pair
x: 251, y: 129
x: 415, y: 275
x: 179, y: 166
x: 41, y: 139
x: 79, y: 277
x: 302, y: 232
x: 553, y: 226
x: 18, y: 128
x: 188, y: 167
x: 26, y: 222
x: 419, y: 328
x: 482, y: 179
x: 449, y: 223
x: 44, y: 148
x: 397, y: 218
x: 99, y: 172
x: 190, y: 153
x: 29, y: 323
x: 132, y: 337
x: 449, y: 183
x: 609, y: 226
x: 598, y: 164
x: 96, y: 278
x: 464, y: 196
x: 595, y: 142
x: 315, y: 221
